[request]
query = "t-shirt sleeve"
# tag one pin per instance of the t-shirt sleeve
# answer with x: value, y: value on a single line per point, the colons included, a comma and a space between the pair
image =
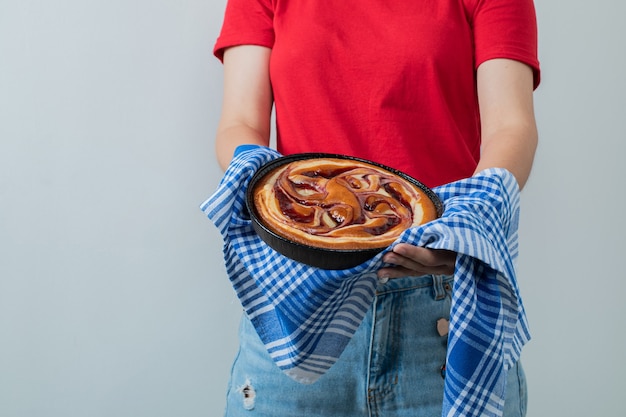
x: 246, y: 22
x: 506, y: 29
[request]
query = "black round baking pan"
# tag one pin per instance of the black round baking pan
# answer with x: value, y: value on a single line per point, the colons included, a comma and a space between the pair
x: 312, y: 255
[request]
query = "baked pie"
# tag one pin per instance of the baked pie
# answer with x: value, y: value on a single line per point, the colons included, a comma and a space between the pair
x: 340, y: 204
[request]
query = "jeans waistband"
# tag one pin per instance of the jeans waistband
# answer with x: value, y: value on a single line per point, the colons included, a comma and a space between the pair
x: 441, y: 285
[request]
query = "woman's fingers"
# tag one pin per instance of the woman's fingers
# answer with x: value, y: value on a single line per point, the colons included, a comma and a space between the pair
x: 410, y: 260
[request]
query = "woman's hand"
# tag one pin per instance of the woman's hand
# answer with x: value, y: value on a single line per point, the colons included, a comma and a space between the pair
x: 413, y: 260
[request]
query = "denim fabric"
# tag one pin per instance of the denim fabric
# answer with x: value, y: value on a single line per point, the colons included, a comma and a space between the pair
x: 391, y: 367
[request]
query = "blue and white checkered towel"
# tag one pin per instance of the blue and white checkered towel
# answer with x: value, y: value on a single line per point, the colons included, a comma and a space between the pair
x: 305, y: 316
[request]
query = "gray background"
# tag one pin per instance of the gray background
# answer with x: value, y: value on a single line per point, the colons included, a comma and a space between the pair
x: 113, y: 298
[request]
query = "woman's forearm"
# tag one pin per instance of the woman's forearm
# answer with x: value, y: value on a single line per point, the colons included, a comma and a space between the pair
x: 508, y: 127
x: 247, y: 103
x: 229, y: 138
x: 512, y: 149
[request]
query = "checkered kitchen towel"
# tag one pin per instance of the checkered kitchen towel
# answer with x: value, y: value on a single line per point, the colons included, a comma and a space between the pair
x: 305, y: 316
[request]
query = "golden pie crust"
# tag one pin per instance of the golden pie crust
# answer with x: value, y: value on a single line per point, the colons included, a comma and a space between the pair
x: 335, y: 203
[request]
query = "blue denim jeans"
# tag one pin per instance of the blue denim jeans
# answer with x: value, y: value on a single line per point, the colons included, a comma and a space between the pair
x: 391, y: 367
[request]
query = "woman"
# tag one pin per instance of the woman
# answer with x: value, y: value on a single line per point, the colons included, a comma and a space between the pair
x: 440, y: 90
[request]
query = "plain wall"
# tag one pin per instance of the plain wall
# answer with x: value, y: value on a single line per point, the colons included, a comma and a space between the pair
x: 113, y: 296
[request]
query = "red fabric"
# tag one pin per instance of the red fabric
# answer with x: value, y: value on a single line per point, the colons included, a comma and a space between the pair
x: 390, y: 81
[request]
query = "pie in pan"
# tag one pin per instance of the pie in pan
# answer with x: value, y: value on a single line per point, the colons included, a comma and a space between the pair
x: 336, y: 203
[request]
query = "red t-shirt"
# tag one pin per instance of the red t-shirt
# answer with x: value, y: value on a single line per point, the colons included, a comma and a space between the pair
x: 389, y: 81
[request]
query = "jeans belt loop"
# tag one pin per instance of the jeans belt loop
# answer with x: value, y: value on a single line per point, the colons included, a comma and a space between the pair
x: 439, y: 291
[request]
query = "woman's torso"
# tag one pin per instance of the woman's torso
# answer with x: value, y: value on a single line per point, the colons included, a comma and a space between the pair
x: 388, y: 81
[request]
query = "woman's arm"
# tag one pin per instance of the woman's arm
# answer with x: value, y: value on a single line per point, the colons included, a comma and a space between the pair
x: 247, y: 102
x: 508, y: 127
x: 509, y: 140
